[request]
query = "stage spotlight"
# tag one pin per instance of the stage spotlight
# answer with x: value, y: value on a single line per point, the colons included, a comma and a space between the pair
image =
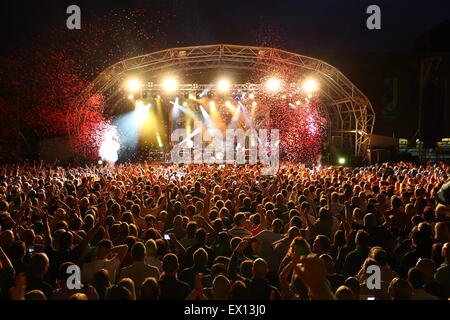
x: 223, y: 85
x: 212, y: 104
x: 310, y: 85
x: 185, y: 104
x: 297, y: 102
x: 254, y: 103
x: 251, y: 95
x: 131, y: 97
x: 341, y: 160
x: 170, y: 84
x: 133, y: 85
x: 273, y: 84
x: 100, y: 162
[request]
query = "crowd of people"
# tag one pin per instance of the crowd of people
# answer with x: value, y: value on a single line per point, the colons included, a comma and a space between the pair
x: 165, y: 232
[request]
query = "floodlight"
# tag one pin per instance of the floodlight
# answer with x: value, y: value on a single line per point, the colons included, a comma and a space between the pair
x: 133, y: 85
x: 170, y: 84
x: 223, y: 85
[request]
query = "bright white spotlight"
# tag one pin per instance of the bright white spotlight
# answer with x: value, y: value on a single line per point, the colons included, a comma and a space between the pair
x: 297, y: 102
x: 170, y: 84
x: 110, y: 146
x: 133, y: 85
x: 254, y: 103
x: 273, y: 84
x: 131, y: 97
x: 251, y: 95
x: 223, y: 85
x: 310, y: 85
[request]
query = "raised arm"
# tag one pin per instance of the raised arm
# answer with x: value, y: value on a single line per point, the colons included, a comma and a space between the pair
x: 311, y: 270
x: 285, y: 289
x: 155, y: 211
x: 88, y: 238
x: 234, y: 260
x: 4, y: 260
x: 48, y: 240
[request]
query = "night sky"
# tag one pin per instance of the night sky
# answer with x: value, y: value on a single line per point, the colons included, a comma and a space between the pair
x: 334, y: 31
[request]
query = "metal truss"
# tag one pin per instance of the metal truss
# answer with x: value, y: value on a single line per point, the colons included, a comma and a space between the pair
x: 349, y: 112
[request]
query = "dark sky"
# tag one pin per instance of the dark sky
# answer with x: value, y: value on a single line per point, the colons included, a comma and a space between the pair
x: 302, y: 25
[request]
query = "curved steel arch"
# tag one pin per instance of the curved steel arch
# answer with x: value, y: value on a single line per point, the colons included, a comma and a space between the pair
x: 350, y: 113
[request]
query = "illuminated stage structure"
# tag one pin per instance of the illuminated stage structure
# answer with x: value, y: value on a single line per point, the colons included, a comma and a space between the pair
x: 349, y: 114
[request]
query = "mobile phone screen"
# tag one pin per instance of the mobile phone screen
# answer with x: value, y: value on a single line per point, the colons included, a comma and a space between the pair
x: 166, y: 237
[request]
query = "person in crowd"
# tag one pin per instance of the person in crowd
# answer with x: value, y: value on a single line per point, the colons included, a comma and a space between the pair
x: 139, y: 270
x: 416, y: 279
x: 171, y: 287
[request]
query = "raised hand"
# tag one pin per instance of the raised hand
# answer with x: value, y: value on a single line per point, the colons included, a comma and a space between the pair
x: 311, y: 270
